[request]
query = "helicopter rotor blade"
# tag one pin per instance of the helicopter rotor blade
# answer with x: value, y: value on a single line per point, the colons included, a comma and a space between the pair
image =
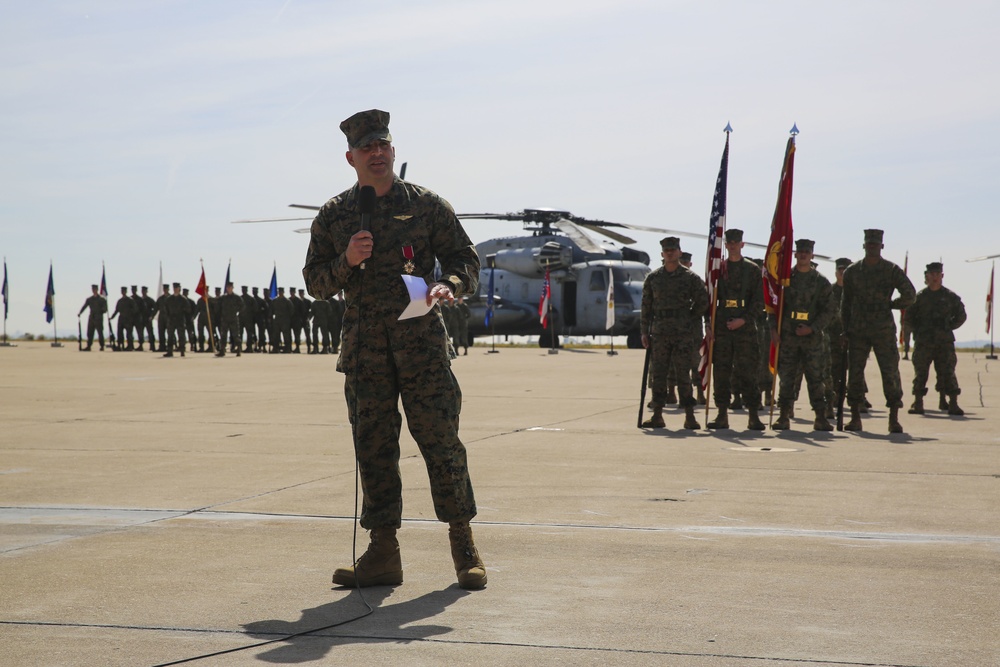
x: 243, y: 222
x: 576, y: 232
x: 980, y: 259
x: 621, y: 238
x: 308, y: 207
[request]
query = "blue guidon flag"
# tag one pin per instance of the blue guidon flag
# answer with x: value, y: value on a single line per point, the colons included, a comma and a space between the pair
x: 489, y: 300
x: 50, y: 294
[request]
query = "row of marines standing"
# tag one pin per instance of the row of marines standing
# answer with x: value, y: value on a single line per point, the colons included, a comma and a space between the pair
x: 242, y: 322
x: 813, y: 338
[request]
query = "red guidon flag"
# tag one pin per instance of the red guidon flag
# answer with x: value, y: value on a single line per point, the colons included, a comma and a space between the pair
x: 778, y: 259
x: 202, y: 288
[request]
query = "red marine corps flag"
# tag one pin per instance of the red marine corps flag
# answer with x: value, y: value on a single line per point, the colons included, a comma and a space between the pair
x: 778, y: 260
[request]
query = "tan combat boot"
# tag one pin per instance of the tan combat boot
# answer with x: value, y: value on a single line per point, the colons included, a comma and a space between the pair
x: 894, y: 425
x: 656, y: 421
x: 753, y: 422
x: 784, y: 419
x: 855, y: 423
x: 942, y: 402
x: 821, y: 423
x: 690, y: 422
x: 721, y: 420
x: 380, y: 565
x: 918, y: 406
x: 953, y: 408
x: 468, y: 565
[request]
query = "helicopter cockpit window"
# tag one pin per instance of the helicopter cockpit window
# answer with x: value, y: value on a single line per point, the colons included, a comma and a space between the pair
x: 598, y: 282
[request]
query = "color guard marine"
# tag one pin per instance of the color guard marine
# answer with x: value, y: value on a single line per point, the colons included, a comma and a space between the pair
x: 933, y: 318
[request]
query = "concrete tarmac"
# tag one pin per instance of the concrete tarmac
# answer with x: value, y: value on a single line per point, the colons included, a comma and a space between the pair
x: 158, y: 510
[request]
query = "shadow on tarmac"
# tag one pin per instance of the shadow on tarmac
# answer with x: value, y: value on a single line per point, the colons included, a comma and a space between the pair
x: 385, y: 625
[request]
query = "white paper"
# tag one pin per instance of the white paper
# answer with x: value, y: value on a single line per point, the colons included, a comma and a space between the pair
x: 417, y: 287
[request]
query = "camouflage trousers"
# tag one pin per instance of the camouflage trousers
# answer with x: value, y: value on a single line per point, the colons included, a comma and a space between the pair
x: 805, y: 355
x: 670, y: 358
x: 432, y: 401
x: 229, y: 334
x: 861, y: 345
x: 735, y: 359
x: 943, y: 356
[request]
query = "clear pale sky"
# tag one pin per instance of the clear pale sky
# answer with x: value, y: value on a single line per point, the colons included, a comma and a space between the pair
x: 134, y: 132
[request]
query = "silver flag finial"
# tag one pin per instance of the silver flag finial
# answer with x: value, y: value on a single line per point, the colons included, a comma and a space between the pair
x: 729, y: 128
x: 794, y: 130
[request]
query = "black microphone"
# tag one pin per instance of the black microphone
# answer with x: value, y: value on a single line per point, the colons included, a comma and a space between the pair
x: 366, y: 206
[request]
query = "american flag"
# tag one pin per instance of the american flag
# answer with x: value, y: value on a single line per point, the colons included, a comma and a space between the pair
x: 714, y: 265
x: 103, y: 291
x: 543, y: 301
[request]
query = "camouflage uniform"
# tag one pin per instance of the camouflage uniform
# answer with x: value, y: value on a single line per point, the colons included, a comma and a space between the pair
x: 808, y: 300
x: 247, y: 319
x: 177, y: 308
x: 125, y: 311
x: 150, y: 311
x: 672, y: 303
x: 384, y: 358
x: 866, y: 311
x: 139, y: 319
x: 321, y: 313
x: 736, y: 354
x: 933, y: 317
x: 161, y: 321
x: 95, y: 321
x: 230, y: 311
x: 461, y: 314
x: 336, y: 321
x: 281, y: 309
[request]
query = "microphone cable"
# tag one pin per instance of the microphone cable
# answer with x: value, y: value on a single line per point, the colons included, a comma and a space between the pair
x: 354, y: 535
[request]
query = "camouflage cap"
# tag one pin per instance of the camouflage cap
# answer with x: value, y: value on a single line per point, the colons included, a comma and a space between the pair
x: 804, y: 245
x: 124, y: 289
x: 843, y: 262
x: 734, y: 235
x: 175, y: 285
x: 670, y: 243
x: 93, y: 287
x: 685, y: 257
x: 135, y: 287
x: 935, y: 267
x: 365, y: 127
x: 873, y: 235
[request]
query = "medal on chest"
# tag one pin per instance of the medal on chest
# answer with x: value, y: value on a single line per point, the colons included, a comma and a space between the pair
x: 408, y: 265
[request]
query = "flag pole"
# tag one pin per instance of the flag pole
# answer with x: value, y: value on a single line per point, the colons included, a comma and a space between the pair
x: 712, y: 285
x: 777, y: 355
x: 992, y: 354
x: 711, y: 351
x: 6, y: 291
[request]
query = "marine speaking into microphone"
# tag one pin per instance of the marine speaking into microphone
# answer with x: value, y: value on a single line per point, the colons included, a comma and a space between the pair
x: 385, y: 359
